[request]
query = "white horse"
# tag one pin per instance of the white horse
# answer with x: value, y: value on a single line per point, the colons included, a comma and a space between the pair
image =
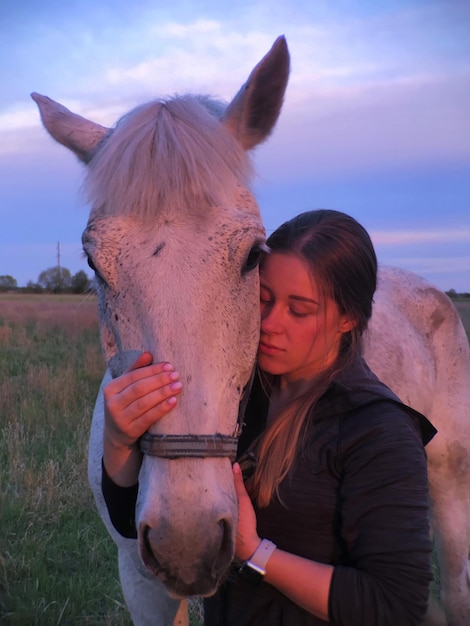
x: 173, y: 236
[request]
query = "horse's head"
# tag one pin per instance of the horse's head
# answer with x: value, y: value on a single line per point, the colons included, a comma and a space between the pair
x: 174, y: 237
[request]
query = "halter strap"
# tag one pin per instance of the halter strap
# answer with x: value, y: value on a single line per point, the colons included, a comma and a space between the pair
x: 180, y: 446
x: 198, y: 446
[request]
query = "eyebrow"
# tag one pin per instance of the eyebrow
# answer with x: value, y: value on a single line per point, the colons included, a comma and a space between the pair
x: 303, y: 299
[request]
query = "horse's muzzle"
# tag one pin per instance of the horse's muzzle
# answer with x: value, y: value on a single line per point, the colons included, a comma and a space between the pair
x: 183, y: 572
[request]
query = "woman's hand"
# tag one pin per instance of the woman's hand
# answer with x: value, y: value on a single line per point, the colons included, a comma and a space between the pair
x: 247, y: 539
x: 132, y: 403
x: 137, y: 399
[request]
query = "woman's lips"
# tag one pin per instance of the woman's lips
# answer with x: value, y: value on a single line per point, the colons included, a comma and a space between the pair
x: 266, y: 348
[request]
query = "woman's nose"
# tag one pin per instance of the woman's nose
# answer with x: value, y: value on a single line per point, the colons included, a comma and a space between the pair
x: 270, y: 320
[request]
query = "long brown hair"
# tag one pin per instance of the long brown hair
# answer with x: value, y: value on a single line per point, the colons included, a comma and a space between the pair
x: 342, y: 259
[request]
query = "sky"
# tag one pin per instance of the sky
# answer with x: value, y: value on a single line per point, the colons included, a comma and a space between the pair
x: 376, y: 119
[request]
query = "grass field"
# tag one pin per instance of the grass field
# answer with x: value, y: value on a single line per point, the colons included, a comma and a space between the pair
x: 463, y: 307
x: 57, y: 563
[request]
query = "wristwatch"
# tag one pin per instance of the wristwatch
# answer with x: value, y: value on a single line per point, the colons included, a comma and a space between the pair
x: 254, y: 569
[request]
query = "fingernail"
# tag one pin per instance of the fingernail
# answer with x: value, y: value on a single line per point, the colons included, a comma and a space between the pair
x: 171, y: 401
x: 167, y: 367
x: 174, y: 375
x: 176, y: 386
x: 236, y: 468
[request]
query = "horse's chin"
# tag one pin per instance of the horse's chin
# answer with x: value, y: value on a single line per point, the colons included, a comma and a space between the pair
x: 178, y: 589
x: 181, y: 592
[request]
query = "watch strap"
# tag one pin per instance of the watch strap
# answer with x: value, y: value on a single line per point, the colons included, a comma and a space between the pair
x: 261, y: 555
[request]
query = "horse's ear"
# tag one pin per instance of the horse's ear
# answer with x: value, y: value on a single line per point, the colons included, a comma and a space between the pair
x: 71, y: 130
x: 253, y: 113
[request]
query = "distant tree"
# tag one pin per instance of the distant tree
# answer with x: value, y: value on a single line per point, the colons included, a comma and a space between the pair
x: 80, y: 282
x: 451, y: 293
x: 8, y: 282
x: 32, y: 287
x: 56, y: 279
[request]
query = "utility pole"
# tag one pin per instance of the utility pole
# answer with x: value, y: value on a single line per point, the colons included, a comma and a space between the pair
x: 59, y: 277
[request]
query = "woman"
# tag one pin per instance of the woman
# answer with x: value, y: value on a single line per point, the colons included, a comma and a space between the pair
x: 333, y: 521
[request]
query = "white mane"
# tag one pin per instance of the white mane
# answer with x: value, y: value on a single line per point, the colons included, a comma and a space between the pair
x: 156, y: 159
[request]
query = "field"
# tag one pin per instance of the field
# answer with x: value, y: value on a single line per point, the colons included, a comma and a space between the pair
x: 57, y: 563
x: 463, y: 307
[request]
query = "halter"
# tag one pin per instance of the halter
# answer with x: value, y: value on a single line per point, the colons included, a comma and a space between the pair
x: 198, y: 446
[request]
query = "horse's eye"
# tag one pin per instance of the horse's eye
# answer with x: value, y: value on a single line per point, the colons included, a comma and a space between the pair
x: 253, y: 258
x: 92, y: 266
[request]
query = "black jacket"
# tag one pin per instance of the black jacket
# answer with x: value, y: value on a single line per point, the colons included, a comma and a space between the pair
x: 357, y: 498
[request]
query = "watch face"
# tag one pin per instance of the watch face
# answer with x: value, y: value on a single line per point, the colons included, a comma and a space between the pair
x: 249, y: 574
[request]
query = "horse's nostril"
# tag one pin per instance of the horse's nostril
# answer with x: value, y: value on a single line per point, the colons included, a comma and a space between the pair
x: 147, y: 553
x: 226, y: 528
x: 145, y: 539
x: 225, y: 555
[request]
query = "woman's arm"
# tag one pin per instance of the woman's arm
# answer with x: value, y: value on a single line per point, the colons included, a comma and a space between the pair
x: 384, y: 521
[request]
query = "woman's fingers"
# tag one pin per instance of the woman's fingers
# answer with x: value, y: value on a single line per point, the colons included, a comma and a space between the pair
x: 141, y: 395
x: 138, y: 371
x: 239, y: 483
x: 150, y: 400
x: 247, y: 539
x: 138, y: 398
x: 139, y: 380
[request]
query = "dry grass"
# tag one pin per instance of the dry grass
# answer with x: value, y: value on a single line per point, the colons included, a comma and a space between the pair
x: 74, y: 313
x: 57, y: 564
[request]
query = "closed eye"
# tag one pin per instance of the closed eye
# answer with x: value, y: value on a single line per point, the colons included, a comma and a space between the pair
x: 298, y: 314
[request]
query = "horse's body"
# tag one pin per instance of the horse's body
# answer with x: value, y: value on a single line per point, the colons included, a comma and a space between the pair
x: 417, y: 345
x: 173, y: 236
